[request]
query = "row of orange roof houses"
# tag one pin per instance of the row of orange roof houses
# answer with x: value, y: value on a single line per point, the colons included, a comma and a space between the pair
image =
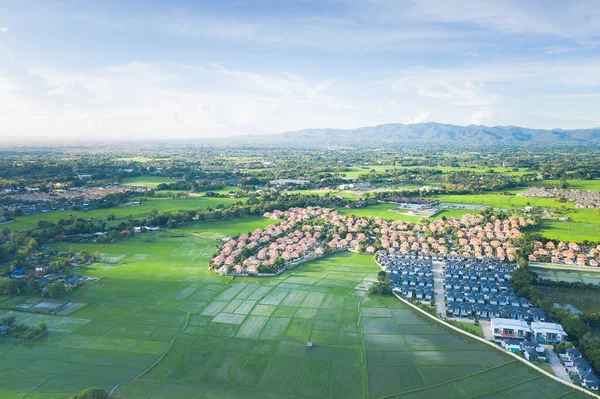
x: 565, y: 253
x: 306, y: 233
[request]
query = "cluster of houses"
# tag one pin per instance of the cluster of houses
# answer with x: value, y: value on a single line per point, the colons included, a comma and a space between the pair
x: 518, y: 336
x: 355, y: 186
x: 42, y: 273
x: 305, y: 233
x: 470, y: 236
x: 291, y: 240
x: 411, y: 275
x: 581, y: 198
x: 481, y: 289
x: 536, y: 331
x: 565, y: 253
x: 530, y: 350
x: 32, y: 200
x: 579, y: 369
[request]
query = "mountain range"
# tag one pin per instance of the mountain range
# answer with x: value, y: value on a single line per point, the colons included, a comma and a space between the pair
x: 426, y: 133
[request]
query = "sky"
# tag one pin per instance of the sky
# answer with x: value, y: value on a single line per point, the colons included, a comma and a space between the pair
x: 192, y: 69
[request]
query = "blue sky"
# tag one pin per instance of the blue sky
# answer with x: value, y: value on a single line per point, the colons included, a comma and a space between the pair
x: 166, y: 69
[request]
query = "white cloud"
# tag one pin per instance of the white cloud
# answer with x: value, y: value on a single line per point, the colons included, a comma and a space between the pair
x: 466, y: 94
x: 420, y: 118
x: 168, y: 100
x: 4, y: 29
x: 481, y: 117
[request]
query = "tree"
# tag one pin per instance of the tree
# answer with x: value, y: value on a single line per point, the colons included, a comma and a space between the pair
x: 56, y: 289
x: 382, y: 286
x: 91, y: 393
x: 8, y: 320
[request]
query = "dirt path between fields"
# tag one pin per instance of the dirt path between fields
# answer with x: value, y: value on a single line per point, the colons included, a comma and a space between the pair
x: 114, y: 389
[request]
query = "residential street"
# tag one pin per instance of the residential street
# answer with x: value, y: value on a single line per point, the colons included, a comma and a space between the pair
x: 438, y: 287
x: 558, y: 369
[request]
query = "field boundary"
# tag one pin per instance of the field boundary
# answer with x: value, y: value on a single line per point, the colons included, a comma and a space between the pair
x: 493, y: 345
x: 151, y: 366
x: 488, y: 343
x: 554, y: 266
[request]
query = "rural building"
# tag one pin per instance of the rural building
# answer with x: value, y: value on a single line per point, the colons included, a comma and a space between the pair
x: 508, y: 328
x: 548, y: 332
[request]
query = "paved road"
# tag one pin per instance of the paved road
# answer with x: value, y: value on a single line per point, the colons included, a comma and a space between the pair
x: 438, y: 288
x: 558, y: 368
x: 485, y: 327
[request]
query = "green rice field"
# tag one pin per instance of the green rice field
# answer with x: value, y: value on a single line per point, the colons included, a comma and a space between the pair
x: 199, y: 335
x: 121, y: 212
x: 568, y: 275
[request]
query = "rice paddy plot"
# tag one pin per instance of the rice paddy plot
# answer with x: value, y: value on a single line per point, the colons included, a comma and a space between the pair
x: 246, y: 338
x: 567, y: 275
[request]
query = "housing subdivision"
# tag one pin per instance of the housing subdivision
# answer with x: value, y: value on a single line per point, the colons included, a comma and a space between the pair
x: 478, y: 291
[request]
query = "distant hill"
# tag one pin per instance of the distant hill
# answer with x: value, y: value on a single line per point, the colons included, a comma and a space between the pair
x: 428, y: 133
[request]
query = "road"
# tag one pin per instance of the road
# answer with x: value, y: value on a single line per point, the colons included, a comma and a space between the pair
x: 487, y: 331
x: 558, y: 368
x: 438, y: 288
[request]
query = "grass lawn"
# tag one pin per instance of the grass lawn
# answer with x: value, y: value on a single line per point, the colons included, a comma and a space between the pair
x: 246, y: 337
x: 384, y: 211
x: 470, y: 327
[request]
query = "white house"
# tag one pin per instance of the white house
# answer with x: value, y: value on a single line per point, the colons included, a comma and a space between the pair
x: 508, y: 328
x: 548, y: 332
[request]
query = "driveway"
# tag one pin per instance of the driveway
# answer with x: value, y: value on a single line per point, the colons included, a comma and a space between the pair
x: 487, y: 331
x: 558, y: 368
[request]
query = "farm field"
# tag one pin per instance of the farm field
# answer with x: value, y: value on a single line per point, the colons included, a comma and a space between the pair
x: 135, y: 159
x: 569, y: 231
x: 246, y: 338
x: 577, y: 184
x: 147, y: 181
x: 363, y: 170
x: 568, y: 275
x: 120, y: 212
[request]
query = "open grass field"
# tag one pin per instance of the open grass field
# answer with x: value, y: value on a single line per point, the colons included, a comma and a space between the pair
x: 583, y: 224
x: 147, y: 181
x: 569, y: 231
x: 363, y: 170
x: 577, y: 184
x: 135, y: 159
x: 205, y: 336
x: 384, y: 211
x: 121, y: 212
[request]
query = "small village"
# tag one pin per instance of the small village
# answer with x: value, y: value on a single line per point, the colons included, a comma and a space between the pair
x: 305, y: 233
x: 581, y: 198
x: 32, y: 200
x: 565, y: 253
